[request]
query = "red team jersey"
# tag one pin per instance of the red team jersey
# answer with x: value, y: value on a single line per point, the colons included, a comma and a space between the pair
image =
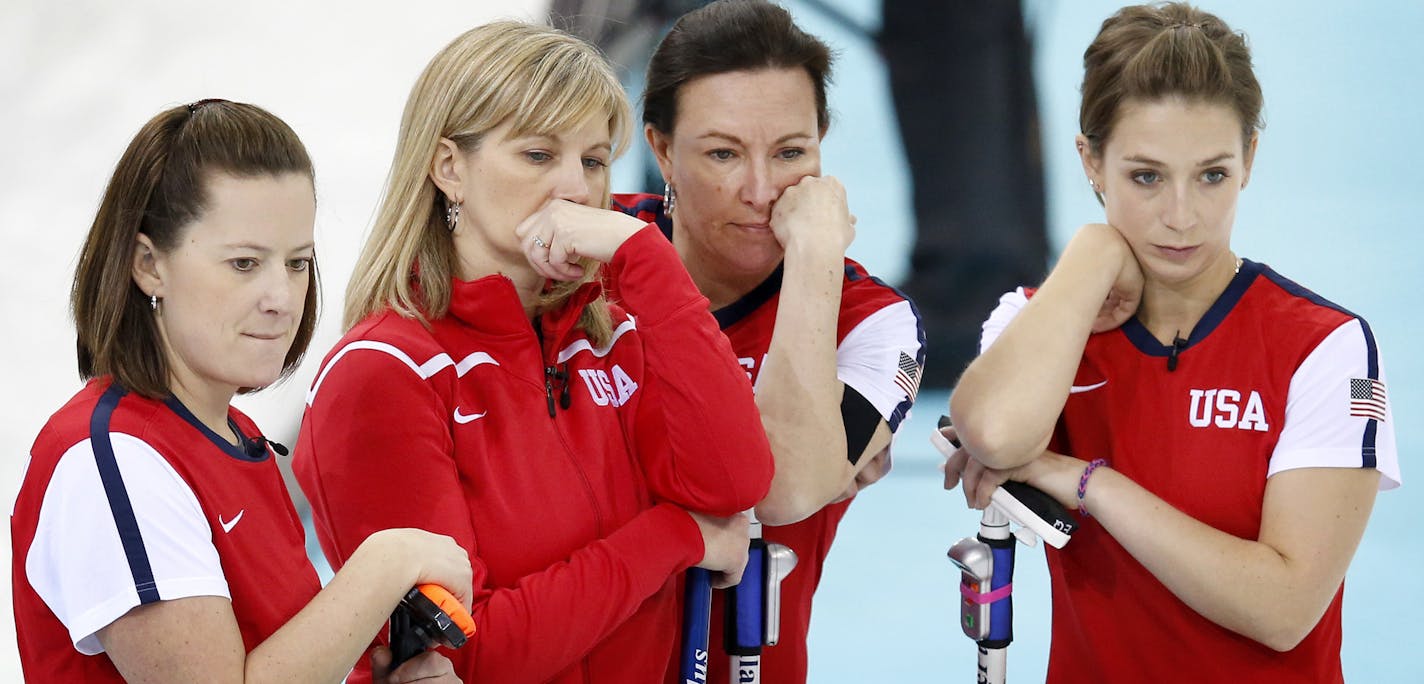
x: 880, y: 352
x: 1272, y: 378
x: 128, y: 500
x: 551, y: 460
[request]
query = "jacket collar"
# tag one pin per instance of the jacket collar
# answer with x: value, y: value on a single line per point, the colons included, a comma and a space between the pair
x: 491, y: 304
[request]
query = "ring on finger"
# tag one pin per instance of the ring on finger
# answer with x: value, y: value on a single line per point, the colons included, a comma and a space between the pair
x: 540, y: 243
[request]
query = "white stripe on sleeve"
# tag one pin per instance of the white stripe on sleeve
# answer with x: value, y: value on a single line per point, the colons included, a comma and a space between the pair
x: 1319, y: 430
x: 869, y: 355
x: 1010, y: 304
x: 77, y: 563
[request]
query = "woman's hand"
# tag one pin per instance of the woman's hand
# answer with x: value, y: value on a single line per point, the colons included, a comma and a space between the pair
x: 959, y: 468
x: 878, y: 467
x: 725, y: 542
x: 562, y: 233
x: 1054, y: 474
x: 1104, y: 247
x: 429, y: 667
x: 813, y: 212
x: 438, y: 559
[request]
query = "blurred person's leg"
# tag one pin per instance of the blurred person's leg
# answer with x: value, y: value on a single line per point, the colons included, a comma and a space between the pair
x: 962, y: 82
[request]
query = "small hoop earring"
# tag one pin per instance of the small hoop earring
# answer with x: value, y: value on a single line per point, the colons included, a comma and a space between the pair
x: 153, y: 302
x: 452, y: 215
x: 669, y: 199
x: 1093, y: 184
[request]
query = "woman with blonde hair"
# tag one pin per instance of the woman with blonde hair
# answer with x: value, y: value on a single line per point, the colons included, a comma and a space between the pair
x: 486, y: 390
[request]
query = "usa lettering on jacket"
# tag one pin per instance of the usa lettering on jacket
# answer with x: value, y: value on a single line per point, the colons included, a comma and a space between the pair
x: 1222, y: 408
x: 605, y: 391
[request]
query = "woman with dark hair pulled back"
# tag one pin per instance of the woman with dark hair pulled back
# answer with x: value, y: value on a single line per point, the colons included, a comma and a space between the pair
x: 735, y: 110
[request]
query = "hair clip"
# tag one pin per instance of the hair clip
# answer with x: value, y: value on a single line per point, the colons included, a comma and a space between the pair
x: 193, y: 107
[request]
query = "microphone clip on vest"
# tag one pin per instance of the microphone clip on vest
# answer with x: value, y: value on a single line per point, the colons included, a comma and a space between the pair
x: 1178, y: 344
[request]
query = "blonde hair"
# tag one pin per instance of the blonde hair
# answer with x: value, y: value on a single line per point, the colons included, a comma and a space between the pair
x: 540, y: 79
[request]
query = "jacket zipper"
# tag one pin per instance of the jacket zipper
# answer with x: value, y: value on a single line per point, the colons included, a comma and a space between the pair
x: 553, y: 374
x: 549, y: 388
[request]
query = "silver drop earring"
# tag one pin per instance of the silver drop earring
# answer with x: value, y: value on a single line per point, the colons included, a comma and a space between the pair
x: 153, y: 302
x: 452, y: 215
x: 669, y: 199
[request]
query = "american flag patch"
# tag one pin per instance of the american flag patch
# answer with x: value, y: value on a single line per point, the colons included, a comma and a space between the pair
x: 1367, y: 398
x: 907, y: 376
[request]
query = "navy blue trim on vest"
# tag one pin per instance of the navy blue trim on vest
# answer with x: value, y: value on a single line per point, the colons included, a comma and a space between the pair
x: 118, y: 495
x: 902, y: 409
x: 1367, y: 444
x: 1367, y: 441
x: 733, y: 313
x: 247, y: 449
x: 1138, y: 334
x: 1296, y: 289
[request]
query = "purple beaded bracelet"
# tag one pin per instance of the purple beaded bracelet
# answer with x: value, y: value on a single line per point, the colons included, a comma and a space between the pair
x: 1083, y: 484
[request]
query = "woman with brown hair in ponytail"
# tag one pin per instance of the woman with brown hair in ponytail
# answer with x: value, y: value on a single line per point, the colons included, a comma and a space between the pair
x: 153, y: 536
x: 1221, y: 430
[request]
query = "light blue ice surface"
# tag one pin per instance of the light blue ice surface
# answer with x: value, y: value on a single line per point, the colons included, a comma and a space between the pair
x: 1332, y: 204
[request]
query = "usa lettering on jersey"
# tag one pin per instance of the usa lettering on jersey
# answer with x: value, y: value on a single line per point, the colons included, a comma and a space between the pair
x: 1222, y: 408
x: 750, y: 363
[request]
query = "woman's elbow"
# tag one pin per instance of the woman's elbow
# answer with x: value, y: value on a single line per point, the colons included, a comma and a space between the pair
x: 753, y: 482
x: 1286, y: 634
x: 1281, y: 641
x: 791, y: 501
x: 730, y: 496
x: 1280, y: 630
x: 746, y: 493
x: 785, y: 509
x: 716, y: 482
x: 995, y: 442
x: 752, y: 474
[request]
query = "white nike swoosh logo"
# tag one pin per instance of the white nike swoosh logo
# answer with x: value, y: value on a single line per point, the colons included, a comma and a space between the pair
x: 229, y: 524
x: 467, y: 417
x: 1075, y: 389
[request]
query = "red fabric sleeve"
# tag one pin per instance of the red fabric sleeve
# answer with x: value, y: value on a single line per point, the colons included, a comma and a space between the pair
x: 694, y: 392
x: 375, y: 453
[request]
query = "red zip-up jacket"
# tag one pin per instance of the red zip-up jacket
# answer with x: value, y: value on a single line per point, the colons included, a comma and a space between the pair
x: 562, y: 468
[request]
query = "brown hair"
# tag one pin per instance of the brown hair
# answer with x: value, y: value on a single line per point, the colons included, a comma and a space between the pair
x: 1147, y: 52
x: 542, y: 80
x: 727, y: 36
x: 158, y: 189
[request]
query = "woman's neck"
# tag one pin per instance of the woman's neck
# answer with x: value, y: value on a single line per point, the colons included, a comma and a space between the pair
x: 207, y: 401
x: 473, y: 262
x: 1172, y: 310
x: 721, y: 287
